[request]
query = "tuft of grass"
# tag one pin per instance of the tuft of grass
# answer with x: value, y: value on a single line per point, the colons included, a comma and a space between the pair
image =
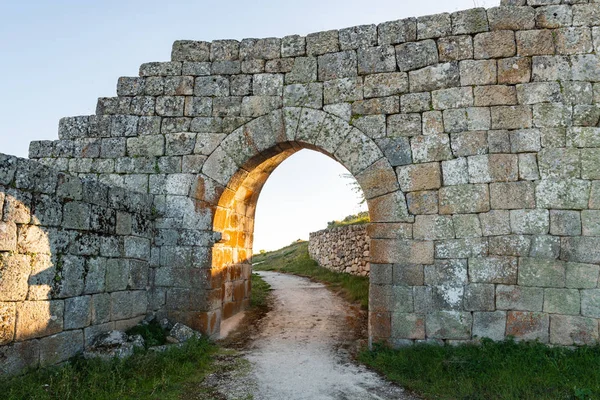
x: 491, y: 370
x: 355, y: 219
x: 145, y: 375
x: 153, y: 333
x: 294, y: 259
x: 259, y: 296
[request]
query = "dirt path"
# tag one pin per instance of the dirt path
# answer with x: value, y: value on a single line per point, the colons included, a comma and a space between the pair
x: 300, y: 350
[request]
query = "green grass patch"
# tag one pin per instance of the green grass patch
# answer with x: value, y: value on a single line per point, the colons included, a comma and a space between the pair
x: 259, y: 296
x: 355, y: 219
x: 504, y: 370
x: 153, y: 333
x: 145, y: 375
x: 294, y: 259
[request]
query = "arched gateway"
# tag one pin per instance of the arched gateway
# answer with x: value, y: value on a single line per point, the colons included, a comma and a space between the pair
x: 474, y: 136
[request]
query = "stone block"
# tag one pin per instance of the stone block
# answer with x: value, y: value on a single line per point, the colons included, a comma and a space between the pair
x: 524, y: 325
x: 493, y: 270
x: 401, y: 251
x: 419, y: 177
x: 416, y: 102
x: 466, y: 225
x: 408, y: 326
x: 496, y: 44
x: 573, y: 40
x: 491, y: 325
x: 399, y: 31
x: 8, y: 236
x: 479, y: 297
x: 424, y: 202
x: 358, y: 37
x: 519, y: 298
x: 590, y: 303
x: 452, y: 98
x: 435, y: 77
x: 433, y: 123
x: 590, y: 220
x: 188, y: 50
x: 129, y: 304
x: 552, y: 115
x: 511, y: 18
x: 455, y: 120
x: 514, y: 70
x: 541, y: 273
x: 372, y: 60
x: 449, y: 325
x: 38, y: 318
x: 582, y: 276
x: 342, y: 90
x: 464, y: 199
x: 510, y: 245
x: 512, y: 195
x: 571, y: 330
x: 580, y: 249
x: 385, y: 84
x: 455, y: 172
x: 380, y: 105
x: 455, y: 48
x: 478, y: 72
x: 267, y: 49
x: 434, y: 26
x: 545, y: 246
x: 528, y: 167
x: 431, y: 148
x: 8, y: 319
x: 415, y: 55
x: 17, y: 357
x: 511, y: 117
x: 404, y: 125
x: 553, y: 16
x: 495, y: 223
x: 590, y: 164
x: 529, y: 222
x: 469, y: 21
x: 495, y: 95
x: 322, y: 42
x: 461, y: 248
x: 303, y: 95
x: 433, y: 227
x: 408, y: 274
x: 389, y: 208
x: 563, y: 194
x: 77, y: 312
x: 535, y: 43
x: 559, y: 163
x: 256, y: 106
x: 565, y: 223
x: 293, y: 46
x: 562, y: 301
x: 493, y: 168
x: 396, y: 150
x: 60, y: 347
x: 303, y: 71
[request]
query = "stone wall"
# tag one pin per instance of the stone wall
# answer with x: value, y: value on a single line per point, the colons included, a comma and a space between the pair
x: 74, y: 262
x: 474, y: 136
x: 341, y: 249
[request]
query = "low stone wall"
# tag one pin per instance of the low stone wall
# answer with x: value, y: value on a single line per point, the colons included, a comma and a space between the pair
x: 74, y: 262
x: 342, y: 249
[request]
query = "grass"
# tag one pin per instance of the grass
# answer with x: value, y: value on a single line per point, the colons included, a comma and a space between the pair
x: 505, y: 370
x: 355, y: 219
x: 152, y: 333
x: 259, y: 295
x: 294, y: 259
x: 145, y: 375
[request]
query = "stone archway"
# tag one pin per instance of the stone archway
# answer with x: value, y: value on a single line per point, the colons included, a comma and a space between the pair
x: 243, y: 162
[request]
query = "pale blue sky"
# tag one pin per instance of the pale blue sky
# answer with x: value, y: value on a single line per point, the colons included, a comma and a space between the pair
x: 59, y: 56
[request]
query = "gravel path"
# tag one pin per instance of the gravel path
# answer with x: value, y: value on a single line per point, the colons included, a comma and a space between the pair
x: 299, y: 351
